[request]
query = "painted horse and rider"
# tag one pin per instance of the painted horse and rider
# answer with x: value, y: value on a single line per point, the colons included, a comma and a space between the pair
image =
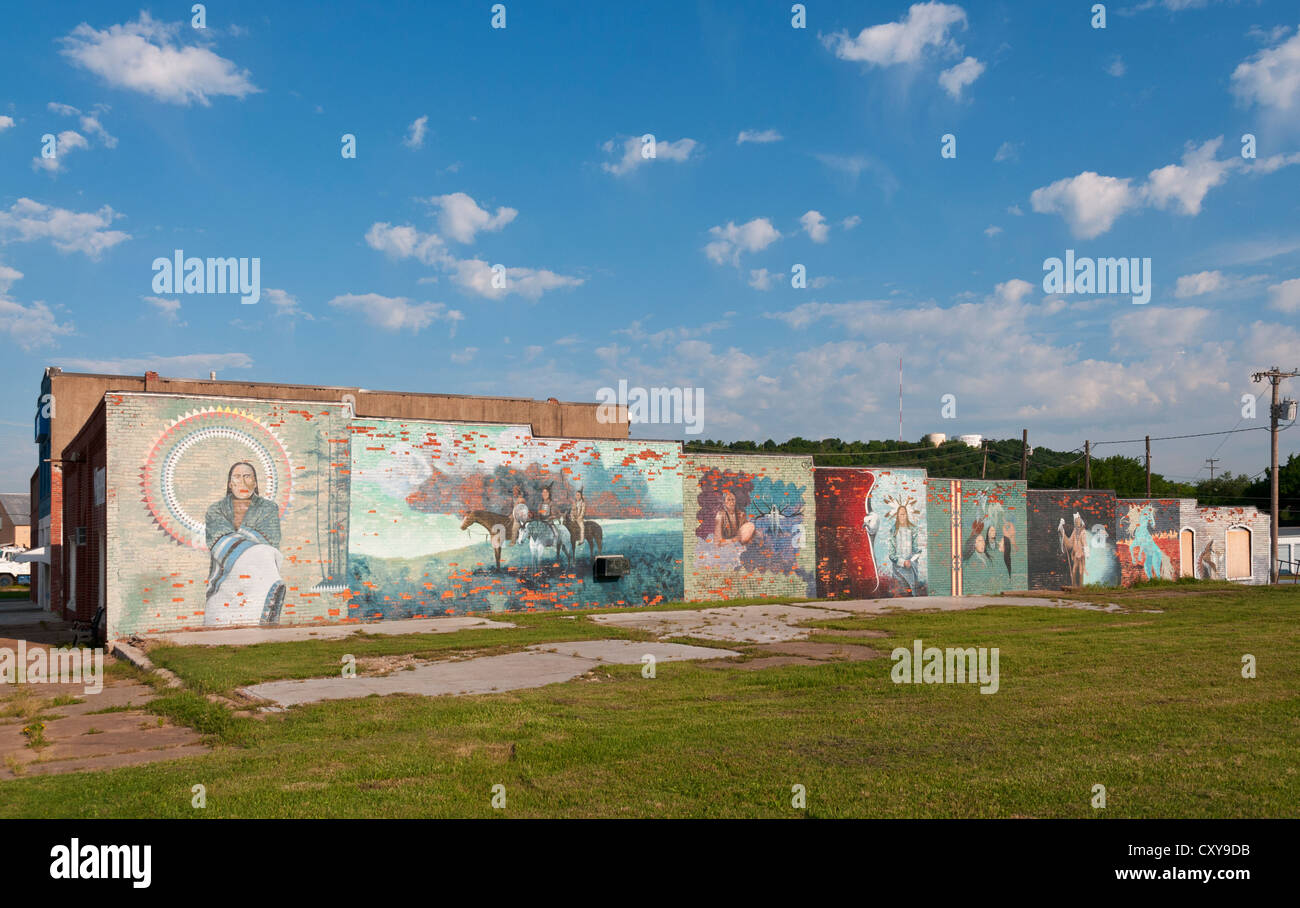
x: 561, y: 527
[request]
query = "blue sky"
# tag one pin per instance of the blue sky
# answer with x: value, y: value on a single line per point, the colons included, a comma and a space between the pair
x: 775, y: 147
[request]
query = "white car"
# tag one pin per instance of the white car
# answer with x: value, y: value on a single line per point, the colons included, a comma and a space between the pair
x: 11, y: 571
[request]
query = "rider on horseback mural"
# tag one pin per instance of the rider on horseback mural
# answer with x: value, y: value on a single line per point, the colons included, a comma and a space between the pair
x: 519, y: 514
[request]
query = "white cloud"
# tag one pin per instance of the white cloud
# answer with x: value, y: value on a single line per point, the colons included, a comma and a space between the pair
x: 1183, y: 186
x: 958, y: 77
x: 635, y: 153
x: 1007, y: 151
x: 8, y: 276
x: 752, y: 236
x: 850, y: 222
x: 475, y: 275
x: 464, y: 356
x: 1285, y: 297
x: 89, y: 122
x: 760, y: 136
x: 461, y: 218
x: 30, y: 327
x: 1089, y: 202
x: 407, y: 242
x: 169, y: 309
x: 815, y: 226
x: 1201, y: 282
x: 992, y: 230
x: 6, y: 123
x: 1015, y: 210
x: 146, y: 56
x: 65, y: 143
x: 415, y: 133
x: 761, y: 279
x: 1271, y: 78
x: 1116, y: 67
x: 1013, y: 291
x: 395, y: 313
x: 1159, y: 327
x: 286, y: 304
x: 185, y: 365
x: 70, y: 231
x: 926, y: 25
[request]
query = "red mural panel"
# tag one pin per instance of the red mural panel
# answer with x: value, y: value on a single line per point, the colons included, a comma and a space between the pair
x: 846, y: 565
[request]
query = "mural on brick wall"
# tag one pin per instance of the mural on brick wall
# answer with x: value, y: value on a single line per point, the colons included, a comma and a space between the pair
x: 1072, y: 540
x: 944, y: 570
x: 450, y: 518
x: 749, y: 528
x: 224, y: 513
x: 1147, y: 539
x: 1224, y: 543
x: 993, y: 554
x: 871, y: 532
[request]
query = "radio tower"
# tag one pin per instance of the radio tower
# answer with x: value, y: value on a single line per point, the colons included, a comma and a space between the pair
x: 900, y: 398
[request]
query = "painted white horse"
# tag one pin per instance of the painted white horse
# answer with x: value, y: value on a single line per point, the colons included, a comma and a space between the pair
x: 542, y: 535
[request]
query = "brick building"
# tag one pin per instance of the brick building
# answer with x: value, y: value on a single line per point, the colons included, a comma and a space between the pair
x: 68, y: 484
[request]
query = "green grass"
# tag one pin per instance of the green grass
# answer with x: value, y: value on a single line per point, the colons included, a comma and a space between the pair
x: 1150, y: 704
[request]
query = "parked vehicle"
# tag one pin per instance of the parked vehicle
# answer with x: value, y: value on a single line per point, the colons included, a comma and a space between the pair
x: 11, y: 571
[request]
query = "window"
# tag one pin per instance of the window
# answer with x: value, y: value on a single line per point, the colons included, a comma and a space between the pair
x: 1238, y: 554
x: 1284, y: 558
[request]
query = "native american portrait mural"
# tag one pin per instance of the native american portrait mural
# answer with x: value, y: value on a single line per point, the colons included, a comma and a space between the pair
x: 449, y: 518
x: 750, y: 530
x: 871, y: 532
x: 237, y: 515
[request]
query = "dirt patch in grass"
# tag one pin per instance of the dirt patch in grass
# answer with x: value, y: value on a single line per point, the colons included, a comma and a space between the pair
x: 830, y: 652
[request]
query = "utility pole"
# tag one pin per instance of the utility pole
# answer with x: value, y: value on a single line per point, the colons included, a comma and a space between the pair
x: 1024, y: 455
x: 1211, y: 461
x: 1148, y: 466
x: 1275, y: 377
x: 984, y: 466
x: 1087, y: 465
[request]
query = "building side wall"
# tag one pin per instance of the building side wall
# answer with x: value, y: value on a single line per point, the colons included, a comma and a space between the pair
x: 1071, y: 538
x: 771, y: 551
x: 872, y: 538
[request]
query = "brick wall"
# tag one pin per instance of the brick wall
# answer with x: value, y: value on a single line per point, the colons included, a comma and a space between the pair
x: 1210, y: 527
x: 1092, y: 552
x: 866, y: 548
x: 943, y: 500
x: 428, y: 497
x: 169, y: 460
x: 770, y: 548
x: 1146, y: 538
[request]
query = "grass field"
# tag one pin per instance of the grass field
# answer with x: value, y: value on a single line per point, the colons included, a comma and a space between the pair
x: 1149, y: 702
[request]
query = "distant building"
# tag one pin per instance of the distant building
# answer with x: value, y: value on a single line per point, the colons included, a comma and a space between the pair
x: 15, y: 519
x: 973, y: 441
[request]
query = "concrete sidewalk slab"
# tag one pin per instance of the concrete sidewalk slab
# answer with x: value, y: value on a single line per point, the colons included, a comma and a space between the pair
x: 511, y: 671
x: 937, y: 603
x: 248, y: 636
x: 538, y: 666
x: 735, y: 624
x: 629, y: 652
